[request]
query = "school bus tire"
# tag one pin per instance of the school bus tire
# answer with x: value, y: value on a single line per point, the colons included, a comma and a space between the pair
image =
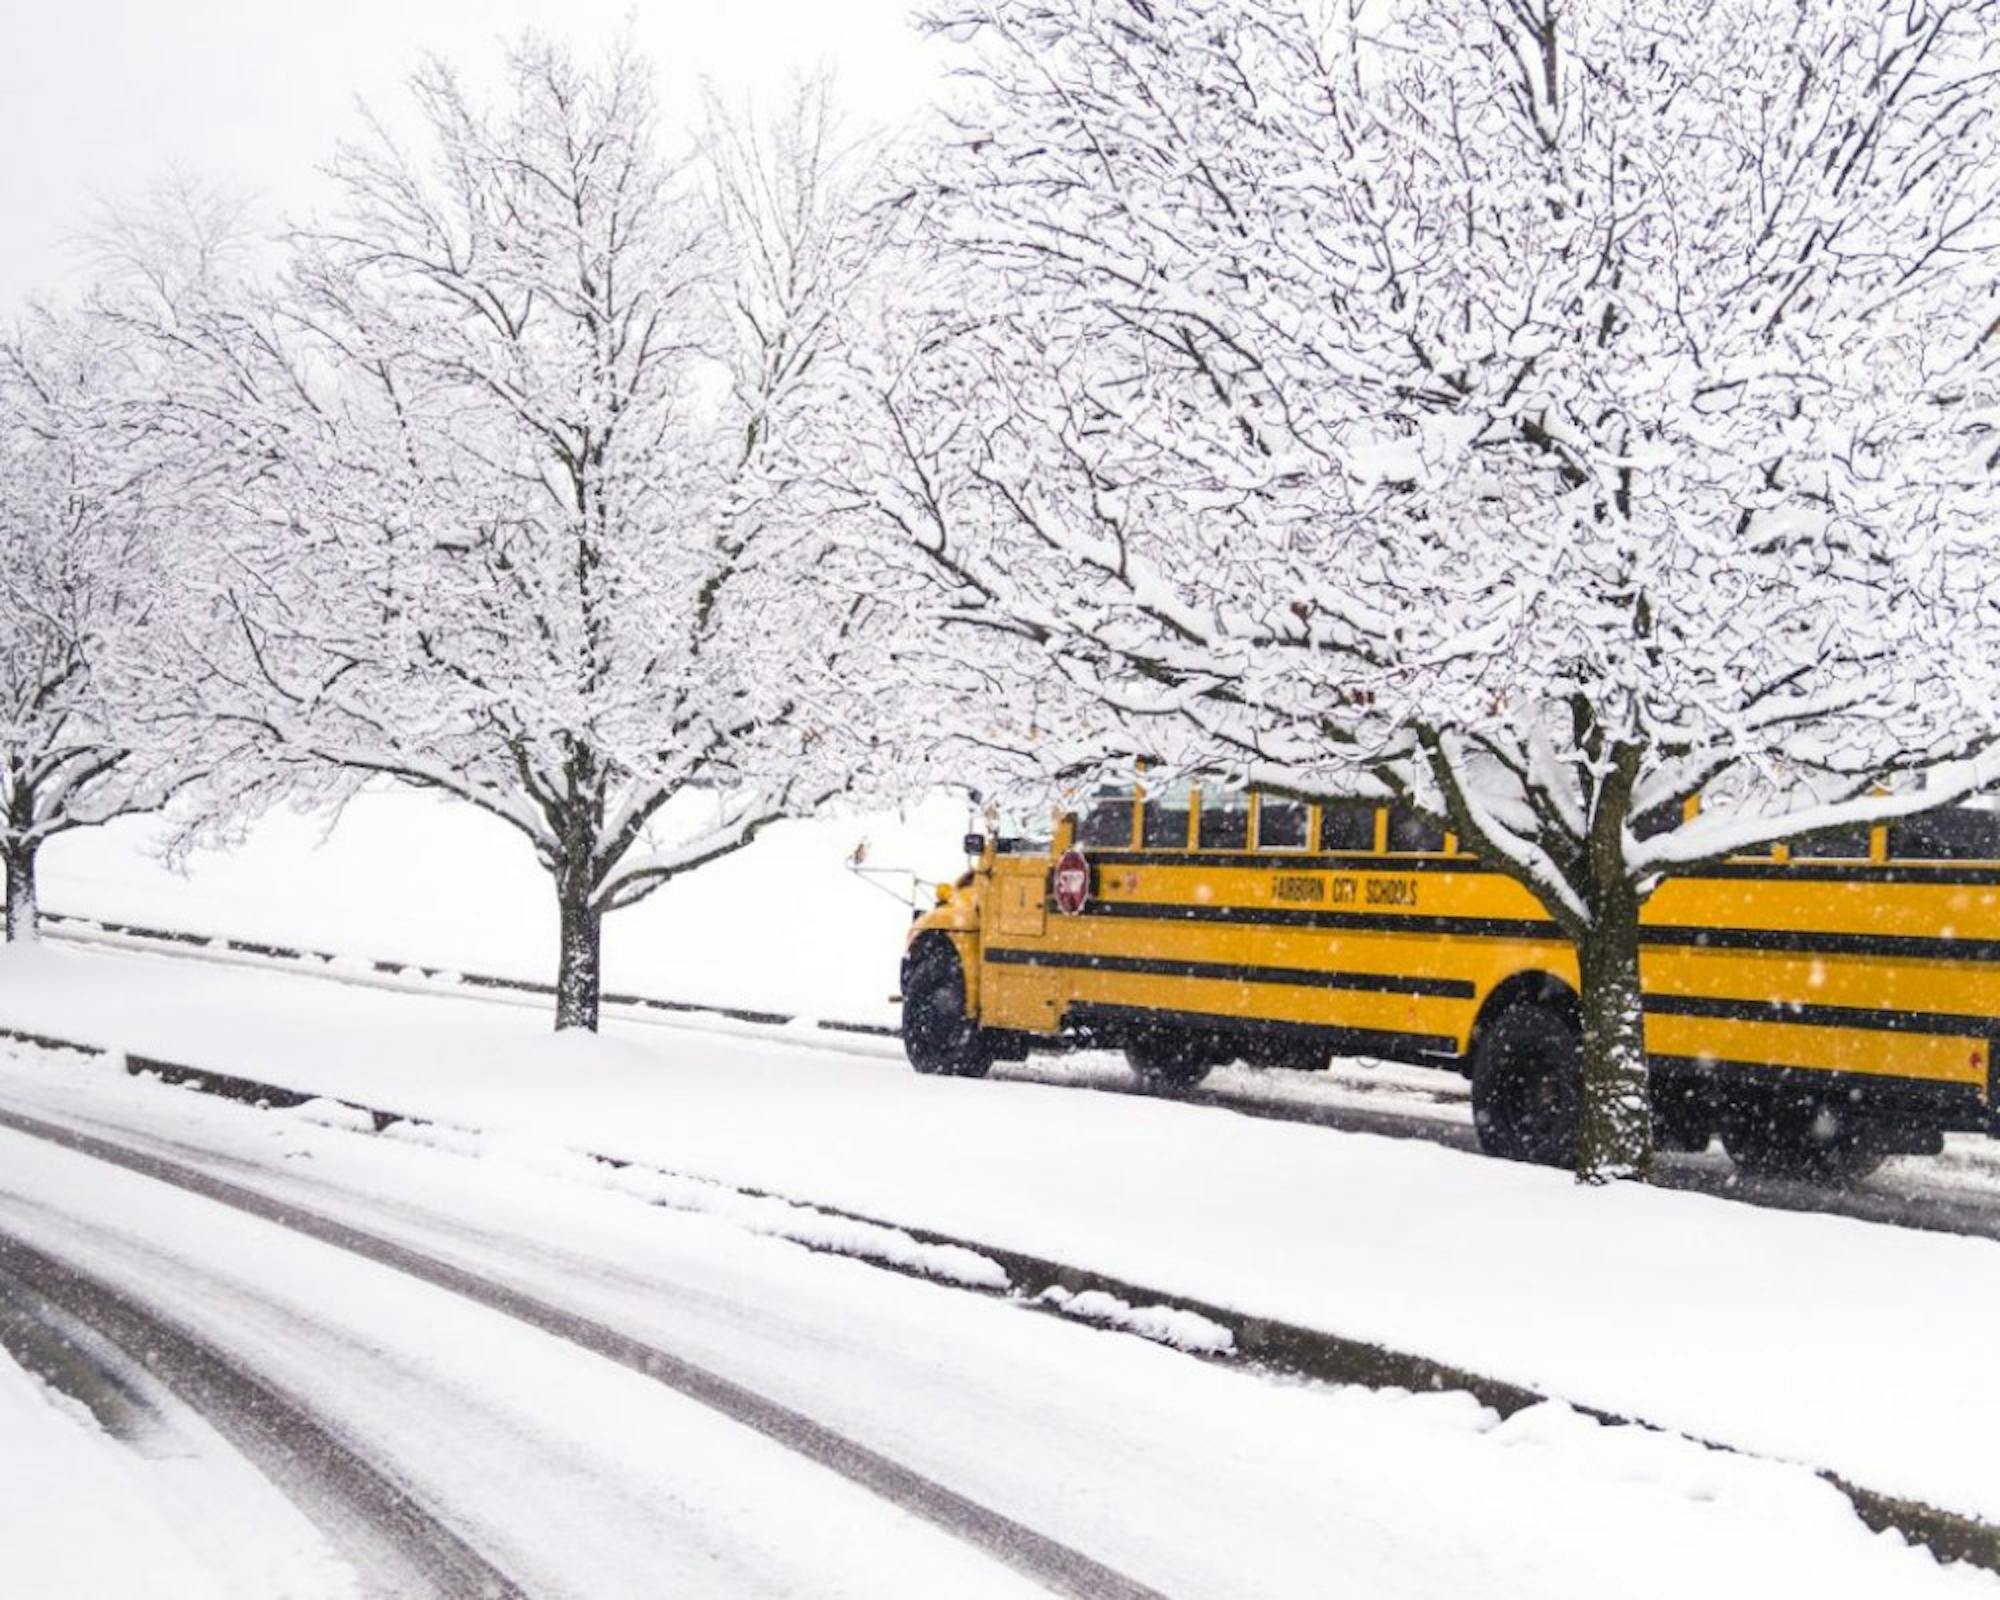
x: 1684, y: 1114
x: 1527, y: 1086
x: 1779, y: 1134
x: 1169, y: 1058
x: 938, y: 1036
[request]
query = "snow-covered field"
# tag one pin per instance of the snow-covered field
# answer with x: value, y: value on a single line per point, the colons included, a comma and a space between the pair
x: 408, y: 877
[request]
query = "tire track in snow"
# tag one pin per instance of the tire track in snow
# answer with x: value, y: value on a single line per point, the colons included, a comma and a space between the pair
x: 1057, y: 1567
x: 398, y: 1547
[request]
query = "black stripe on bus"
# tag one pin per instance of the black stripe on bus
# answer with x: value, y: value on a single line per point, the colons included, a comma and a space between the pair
x: 1230, y: 972
x: 1282, y: 860
x: 1944, y: 873
x: 1355, y: 921
x: 1788, y: 941
x: 1799, y: 1014
x: 1427, y: 1049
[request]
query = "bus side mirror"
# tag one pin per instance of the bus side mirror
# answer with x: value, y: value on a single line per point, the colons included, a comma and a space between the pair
x: 975, y: 844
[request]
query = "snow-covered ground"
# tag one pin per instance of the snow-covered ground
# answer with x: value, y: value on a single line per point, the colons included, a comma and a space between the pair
x: 572, y: 1474
x: 86, y: 1511
x: 1814, y: 1339
x: 1194, y: 1479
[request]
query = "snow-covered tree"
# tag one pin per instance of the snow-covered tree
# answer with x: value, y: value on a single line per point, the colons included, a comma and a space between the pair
x: 1542, y: 412
x: 501, y: 474
x: 91, y: 718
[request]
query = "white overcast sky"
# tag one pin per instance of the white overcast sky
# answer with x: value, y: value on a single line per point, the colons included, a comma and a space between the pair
x: 100, y: 97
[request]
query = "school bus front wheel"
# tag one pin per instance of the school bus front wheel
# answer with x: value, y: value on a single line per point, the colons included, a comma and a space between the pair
x: 939, y: 1034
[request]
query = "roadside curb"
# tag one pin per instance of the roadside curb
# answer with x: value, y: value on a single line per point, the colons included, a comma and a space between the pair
x: 1288, y: 1348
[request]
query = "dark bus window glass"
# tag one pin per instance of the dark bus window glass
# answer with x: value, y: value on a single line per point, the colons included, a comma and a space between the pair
x: 1225, y: 820
x: 1164, y: 820
x: 1413, y: 833
x: 1659, y: 819
x: 1958, y: 834
x: 1281, y: 824
x: 1347, y: 825
x: 1831, y: 844
x: 1108, y: 822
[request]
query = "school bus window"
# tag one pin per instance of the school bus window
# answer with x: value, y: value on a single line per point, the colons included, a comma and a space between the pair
x: 1348, y: 825
x: 1958, y: 834
x: 1281, y: 824
x: 1413, y: 833
x: 1164, y: 818
x: 1107, y: 822
x: 1831, y: 844
x: 1223, y: 819
x: 1662, y: 818
x: 1022, y: 833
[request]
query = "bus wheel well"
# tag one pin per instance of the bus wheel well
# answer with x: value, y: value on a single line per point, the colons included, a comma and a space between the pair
x: 1542, y: 989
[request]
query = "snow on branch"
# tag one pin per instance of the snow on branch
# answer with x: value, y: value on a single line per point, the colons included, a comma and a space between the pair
x: 1606, y: 389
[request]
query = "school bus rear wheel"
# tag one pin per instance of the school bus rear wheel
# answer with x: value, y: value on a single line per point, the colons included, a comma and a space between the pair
x: 938, y: 1035
x: 1167, y: 1058
x: 1527, y: 1086
x: 1772, y: 1133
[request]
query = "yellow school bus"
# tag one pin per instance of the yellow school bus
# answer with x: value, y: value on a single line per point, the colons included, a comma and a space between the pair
x: 1818, y: 1007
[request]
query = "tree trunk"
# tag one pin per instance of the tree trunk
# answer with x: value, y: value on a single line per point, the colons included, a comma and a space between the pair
x: 23, y: 914
x: 1615, y: 1128
x: 579, y: 961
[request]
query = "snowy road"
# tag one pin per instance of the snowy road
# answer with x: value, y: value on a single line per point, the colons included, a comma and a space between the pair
x: 574, y: 1474
x: 127, y: 1365
x: 1067, y: 1571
